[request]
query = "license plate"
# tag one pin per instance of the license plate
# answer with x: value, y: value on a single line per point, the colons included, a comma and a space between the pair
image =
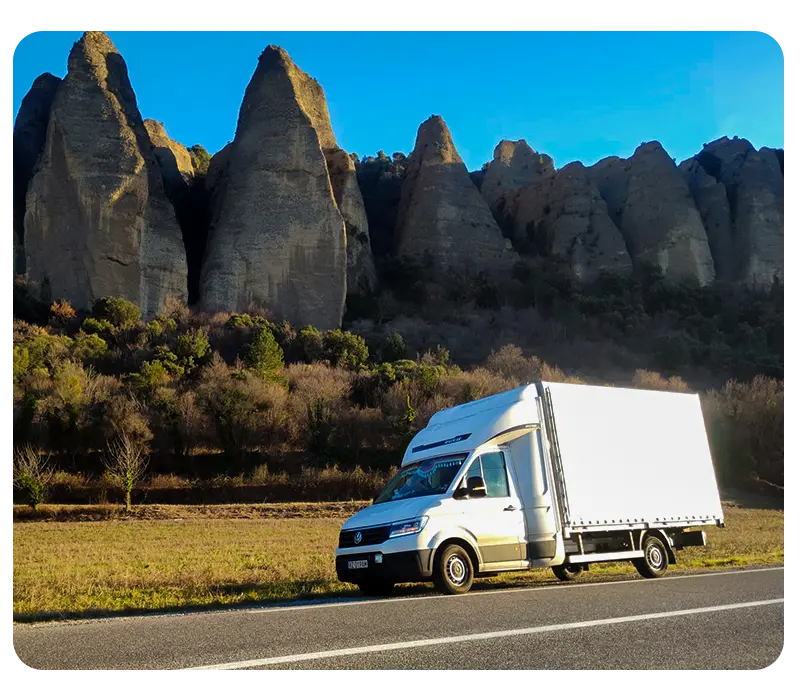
x: 358, y: 564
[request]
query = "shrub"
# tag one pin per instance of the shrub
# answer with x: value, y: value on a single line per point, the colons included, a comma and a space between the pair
x: 395, y: 349
x: 344, y: 349
x: 176, y: 309
x: 125, y: 462
x: 318, y: 429
x: 22, y: 362
x: 119, y: 312
x: 66, y: 408
x: 180, y: 419
x: 41, y: 350
x: 510, y: 363
x: 150, y: 376
x: 192, y: 347
x: 125, y: 414
x: 89, y: 347
x: 309, y: 344
x: 61, y: 313
x: 32, y: 476
x: 201, y: 158
x: 238, y: 321
x: 159, y: 327
x: 264, y: 356
x: 243, y: 410
x: 404, y: 427
x: 644, y: 379
x: 745, y: 427
x: 95, y: 326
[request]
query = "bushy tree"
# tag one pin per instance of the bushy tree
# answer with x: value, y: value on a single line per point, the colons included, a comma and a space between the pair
x: 201, y: 159
x: 263, y: 355
x: 396, y: 348
x: 150, y: 376
x: 32, y: 475
x: 344, y: 349
x: 309, y: 344
x: 192, y: 348
x: 119, y: 312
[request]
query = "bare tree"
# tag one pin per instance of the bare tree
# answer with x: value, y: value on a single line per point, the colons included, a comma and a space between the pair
x: 126, y: 462
x: 32, y: 475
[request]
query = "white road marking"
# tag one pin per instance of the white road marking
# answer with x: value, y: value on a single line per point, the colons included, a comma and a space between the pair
x: 295, y: 658
x: 314, y: 605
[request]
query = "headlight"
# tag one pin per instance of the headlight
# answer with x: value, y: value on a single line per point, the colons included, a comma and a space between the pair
x: 407, y: 527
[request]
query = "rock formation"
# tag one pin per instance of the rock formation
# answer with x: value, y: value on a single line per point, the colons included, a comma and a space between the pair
x: 739, y: 192
x: 563, y: 214
x: 30, y: 133
x: 650, y: 202
x: 277, y: 238
x: 173, y: 158
x: 712, y: 203
x: 361, y: 276
x: 442, y: 215
x: 97, y: 220
x: 515, y: 165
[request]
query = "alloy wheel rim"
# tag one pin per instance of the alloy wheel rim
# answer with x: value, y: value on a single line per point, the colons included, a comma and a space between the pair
x: 654, y: 557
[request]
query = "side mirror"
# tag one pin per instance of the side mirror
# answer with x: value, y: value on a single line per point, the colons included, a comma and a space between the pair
x: 475, y: 487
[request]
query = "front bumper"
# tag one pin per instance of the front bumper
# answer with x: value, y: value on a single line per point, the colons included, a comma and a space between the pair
x: 397, y: 567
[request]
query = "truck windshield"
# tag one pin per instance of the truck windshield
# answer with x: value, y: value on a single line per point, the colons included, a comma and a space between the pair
x: 425, y: 478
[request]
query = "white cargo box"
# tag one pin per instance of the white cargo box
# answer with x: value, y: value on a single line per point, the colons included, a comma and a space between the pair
x: 630, y: 456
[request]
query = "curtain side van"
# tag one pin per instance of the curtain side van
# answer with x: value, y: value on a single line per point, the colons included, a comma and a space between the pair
x: 546, y: 475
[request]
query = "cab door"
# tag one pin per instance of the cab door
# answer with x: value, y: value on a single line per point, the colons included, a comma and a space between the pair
x: 496, y: 520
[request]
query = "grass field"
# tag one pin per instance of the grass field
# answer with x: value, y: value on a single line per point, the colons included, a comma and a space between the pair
x: 184, y: 557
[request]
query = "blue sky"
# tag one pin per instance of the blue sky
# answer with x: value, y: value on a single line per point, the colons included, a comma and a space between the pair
x: 575, y: 96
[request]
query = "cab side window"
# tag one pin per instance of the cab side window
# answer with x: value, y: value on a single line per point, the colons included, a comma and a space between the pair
x: 474, y: 470
x: 494, y: 475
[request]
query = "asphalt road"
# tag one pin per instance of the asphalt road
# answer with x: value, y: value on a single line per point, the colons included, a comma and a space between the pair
x: 731, y: 619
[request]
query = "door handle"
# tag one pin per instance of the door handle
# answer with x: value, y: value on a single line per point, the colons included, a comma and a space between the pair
x: 509, y: 508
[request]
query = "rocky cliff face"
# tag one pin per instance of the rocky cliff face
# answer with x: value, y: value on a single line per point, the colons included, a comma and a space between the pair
x: 277, y: 238
x: 515, y: 165
x: 361, y: 275
x: 563, y: 214
x: 650, y: 202
x: 739, y: 192
x: 97, y: 219
x: 30, y: 133
x: 442, y: 214
x: 174, y: 159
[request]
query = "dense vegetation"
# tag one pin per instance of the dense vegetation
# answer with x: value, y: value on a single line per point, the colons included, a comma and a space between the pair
x: 240, y: 396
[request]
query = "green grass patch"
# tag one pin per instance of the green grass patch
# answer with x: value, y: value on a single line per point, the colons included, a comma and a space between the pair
x: 73, y: 569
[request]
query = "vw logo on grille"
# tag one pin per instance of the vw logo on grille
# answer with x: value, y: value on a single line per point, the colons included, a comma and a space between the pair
x: 357, y: 539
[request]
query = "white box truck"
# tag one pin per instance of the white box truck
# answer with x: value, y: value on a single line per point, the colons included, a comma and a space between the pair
x: 546, y: 475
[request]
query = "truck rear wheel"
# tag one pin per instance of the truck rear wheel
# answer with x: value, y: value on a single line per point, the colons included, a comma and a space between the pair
x: 453, y: 571
x: 567, y: 572
x: 655, y: 560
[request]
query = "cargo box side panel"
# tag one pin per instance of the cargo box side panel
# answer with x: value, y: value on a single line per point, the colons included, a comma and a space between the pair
x: 633, y: 456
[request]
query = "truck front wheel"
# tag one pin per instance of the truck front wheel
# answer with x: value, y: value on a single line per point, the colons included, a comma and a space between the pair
x: 453, y: 571
x: 655, y: 560
x: 567, y: 572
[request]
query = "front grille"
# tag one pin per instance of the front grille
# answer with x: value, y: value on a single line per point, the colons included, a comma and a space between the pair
x: 369, y: 535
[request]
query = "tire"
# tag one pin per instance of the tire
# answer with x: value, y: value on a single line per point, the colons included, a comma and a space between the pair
x: 567, y: 572
x: 655, y: 560
x: 376, y: 588
x: 453, y: 571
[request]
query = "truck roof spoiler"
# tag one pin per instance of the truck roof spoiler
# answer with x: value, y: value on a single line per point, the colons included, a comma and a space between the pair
x: 511, y: 434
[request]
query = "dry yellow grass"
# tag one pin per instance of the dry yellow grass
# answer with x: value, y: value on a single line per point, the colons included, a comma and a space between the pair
x: 67, y: 569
